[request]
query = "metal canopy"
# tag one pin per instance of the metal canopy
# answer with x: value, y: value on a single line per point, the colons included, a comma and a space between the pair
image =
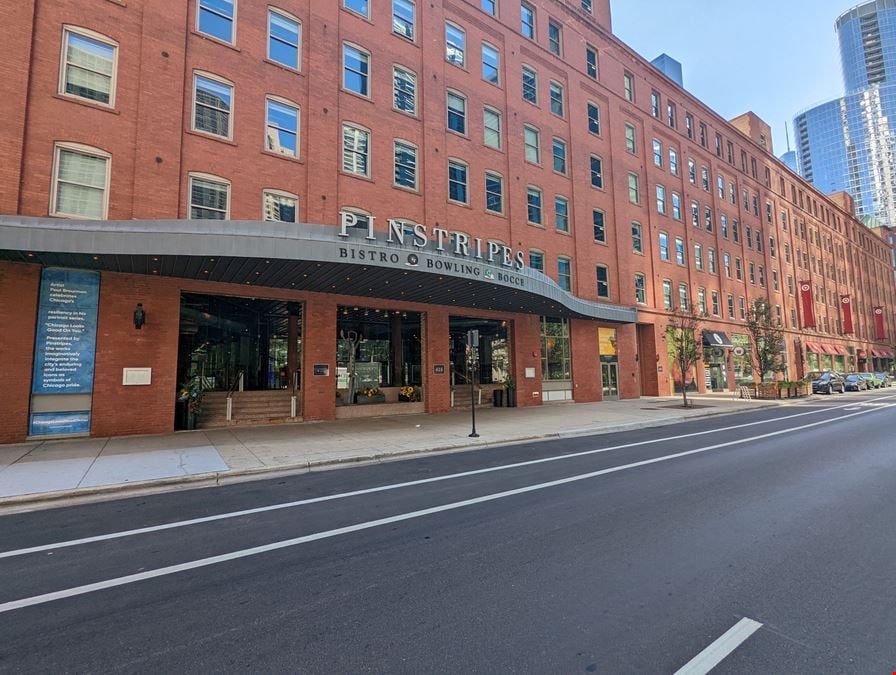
x: 292, y: 256
x: 716, y: 338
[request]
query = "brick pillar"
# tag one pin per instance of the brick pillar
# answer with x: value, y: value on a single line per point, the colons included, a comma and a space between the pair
x: 319, y: 347
x: 626, y: 346
x: 139, y: 409
x: 436, y: 387
x: 19, y: 291
x: 586, y: 384
x: 16, y: 63
x: 527, y: 354
x: 647, y: 356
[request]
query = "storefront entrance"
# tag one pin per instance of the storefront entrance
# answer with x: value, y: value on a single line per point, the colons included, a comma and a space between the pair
x: 222, y: 337
x: 609, y: 376
x: 609, y: 363
x: 494, y: 364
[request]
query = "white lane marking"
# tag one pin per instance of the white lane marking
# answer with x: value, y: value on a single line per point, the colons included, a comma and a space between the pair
x: 713, y: 655
x: 256, y: 550
x: 383, y: 488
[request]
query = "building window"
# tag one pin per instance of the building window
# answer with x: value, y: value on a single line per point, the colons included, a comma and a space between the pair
x: 676, y: 206
x: 457, y: 113
x: 738, y: 269
x: 761, y: 276
x: 564, y: 273
x: 723, y: 220
x: 701, y: 300
x: 405, y: 165
x: 209, y: 198
x: 533, y: 205
x: 556, y: 99
x: 494, y: 193
x: 536, y: 260
x: 673, y: 161
x: 634, y: 189
x: 355, y: 150
x: 531, y: 139
x: 597, y: 172
x: 689, y: 125
x: 679, y: 250
x: 559, y: 153
x: 628, y: 86
x: 555, y: 353
x: 661, y: 199
x: 284, y: 39
x: 355, y: 70
x: 403, y: 18
x: 527, y: 21
x: 361, y: 7
x: 716, y: 303
x: 655, y: 104
x: 281, y: 207
x: 704, y: 178
x: 282, y: 135
x: 455, y: 45
x: 726, y: 263
x: 404, y: 90
x: 695, y: 214
x: 683, y: 296
x: 742, y: 304
x: 593, y: 118
x: 586, y: 6
x: 692, y: 172
x: 698, y: 257
x: 591, y: 62
x: 457, y: 182
x: 637, y: 240
x: 730, y: 306
x: 603, y: 281
x: 491, y: 64
x: 88, y: 67
x: 630, y: 139
x: 492, y: 128
x: 657, y: 153
x: 212, y: 105
x: 555, y: 38
x: 664, y: 246
x: 600, y: 226
x: 530, y: 85
x: 667, y: 294
x: 640, y: 289
x: 80, y: 182
x: 216, y: 18
x: 670, y: 114
x: 561, y: 214
x: 707, y: 212
x: 702, y: 134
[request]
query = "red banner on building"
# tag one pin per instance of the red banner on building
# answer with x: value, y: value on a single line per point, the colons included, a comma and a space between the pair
x: 846, y: 309
x: 808, y: 304
x: 881, y: 334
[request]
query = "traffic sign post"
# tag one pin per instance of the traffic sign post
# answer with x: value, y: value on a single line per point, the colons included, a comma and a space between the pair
x: 472, y: 359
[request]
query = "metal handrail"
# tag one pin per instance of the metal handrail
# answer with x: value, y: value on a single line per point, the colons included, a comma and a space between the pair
x: 237, y: 383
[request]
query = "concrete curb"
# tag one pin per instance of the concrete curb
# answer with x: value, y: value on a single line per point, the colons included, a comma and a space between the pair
x: 139, y: 488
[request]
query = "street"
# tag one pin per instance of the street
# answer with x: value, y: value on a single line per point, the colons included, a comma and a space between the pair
x: 622, y: 553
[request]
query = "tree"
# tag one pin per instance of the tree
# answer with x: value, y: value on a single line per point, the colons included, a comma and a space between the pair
x: 684, y: 345
x: 767, y: 336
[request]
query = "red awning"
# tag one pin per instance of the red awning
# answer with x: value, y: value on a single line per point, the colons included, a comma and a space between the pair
x: 841, y: 350
x: 874, y: 352
x: 814, y: 347
x: 882, y: 353
x: 829, y: 349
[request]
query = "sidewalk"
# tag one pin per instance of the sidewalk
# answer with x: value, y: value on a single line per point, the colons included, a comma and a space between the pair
x: 47, y: 470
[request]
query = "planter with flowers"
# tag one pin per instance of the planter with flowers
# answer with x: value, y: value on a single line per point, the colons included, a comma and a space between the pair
x: 369, y: 395
x: 409, y: 394
x: 189, y: 396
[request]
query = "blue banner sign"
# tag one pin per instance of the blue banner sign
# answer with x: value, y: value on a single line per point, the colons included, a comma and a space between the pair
x: 65, y: 345
x: 58, y: 424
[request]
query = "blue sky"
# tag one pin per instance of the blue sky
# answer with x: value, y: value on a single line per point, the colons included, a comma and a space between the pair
x: 774, y: 57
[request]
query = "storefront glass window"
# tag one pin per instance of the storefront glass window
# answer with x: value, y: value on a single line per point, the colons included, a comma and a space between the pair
x: 555, y: 359
x: 742, y: 359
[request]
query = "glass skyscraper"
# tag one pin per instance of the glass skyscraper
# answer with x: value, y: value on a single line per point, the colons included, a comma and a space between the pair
x: 849, y: 143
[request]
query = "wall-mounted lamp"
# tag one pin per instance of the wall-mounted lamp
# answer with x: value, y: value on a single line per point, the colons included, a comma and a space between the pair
x: 139, y: 316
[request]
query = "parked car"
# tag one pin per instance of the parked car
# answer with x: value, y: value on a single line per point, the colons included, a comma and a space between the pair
x: 855, y: 382
x: 828, y: 383
x: 885, y: 379
x: 872, y: 380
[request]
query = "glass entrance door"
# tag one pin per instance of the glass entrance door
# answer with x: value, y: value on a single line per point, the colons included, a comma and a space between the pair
x: 609, y: 375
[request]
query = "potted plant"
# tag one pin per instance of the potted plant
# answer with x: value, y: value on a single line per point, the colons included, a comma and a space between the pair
x: 510, y: 390
x: 190, y: 395
x: 369, y: 395
x: 409, y: 394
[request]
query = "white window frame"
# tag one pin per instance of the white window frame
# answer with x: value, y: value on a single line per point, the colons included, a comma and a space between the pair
x: 220, y: 80
x: 449, y: 43
x: 233, y: 23
x: 407, y: 71
x: 278, y: 193
x: 289, y: 17
x: 537, y: 146
x: 413, y: 36
x: 413, y: 146
x: 369, y: 155
x: 193, y: 175
x: 289, y: 104
x: 485, y: 127
x: 63, y: 62
x: 82, y: 149
x: 369, y: 80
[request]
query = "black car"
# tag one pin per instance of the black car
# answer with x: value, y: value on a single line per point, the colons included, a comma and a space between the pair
x: 854, y: 382
x: 828, y: 383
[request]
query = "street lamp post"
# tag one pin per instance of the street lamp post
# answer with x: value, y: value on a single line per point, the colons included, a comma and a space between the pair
x: 472, y: 358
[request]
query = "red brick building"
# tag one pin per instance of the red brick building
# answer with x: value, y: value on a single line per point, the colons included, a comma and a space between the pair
x: 304, y: 207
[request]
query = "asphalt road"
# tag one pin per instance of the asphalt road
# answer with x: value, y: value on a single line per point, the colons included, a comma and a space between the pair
x: 766, y: 538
